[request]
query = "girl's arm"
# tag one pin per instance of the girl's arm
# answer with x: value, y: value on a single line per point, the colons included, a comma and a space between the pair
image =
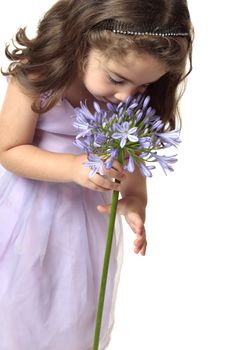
x: 134, y: 185
x: 18, y: 155
x: 133, y: 207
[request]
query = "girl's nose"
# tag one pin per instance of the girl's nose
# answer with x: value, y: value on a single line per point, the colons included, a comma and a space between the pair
x: 122, y: 94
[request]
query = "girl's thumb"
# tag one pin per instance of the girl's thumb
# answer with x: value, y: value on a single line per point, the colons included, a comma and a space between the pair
x: 104, y: 209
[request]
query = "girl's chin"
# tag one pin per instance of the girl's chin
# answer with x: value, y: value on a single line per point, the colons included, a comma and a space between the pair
x: 100, y: 99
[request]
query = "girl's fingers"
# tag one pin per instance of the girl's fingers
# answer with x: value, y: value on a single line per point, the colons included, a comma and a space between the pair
x: 135, y: 222
x: 140, y: 246
x: 100, y: 182
x: 140, y: 241
x: 104, y: 209
x: 117, y: 166
x: 143, y: 250
x: 116, y: 171
x: 114, y: 174
x: 96, y: 188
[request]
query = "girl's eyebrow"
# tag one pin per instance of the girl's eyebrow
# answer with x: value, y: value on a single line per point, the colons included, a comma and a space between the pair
x: 119, y: 76
x: 130, y: 81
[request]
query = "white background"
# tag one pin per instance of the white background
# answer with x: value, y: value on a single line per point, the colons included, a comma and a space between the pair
x: 180, y: 295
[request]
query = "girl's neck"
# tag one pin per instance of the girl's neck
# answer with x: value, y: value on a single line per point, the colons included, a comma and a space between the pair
x: 77, y: 92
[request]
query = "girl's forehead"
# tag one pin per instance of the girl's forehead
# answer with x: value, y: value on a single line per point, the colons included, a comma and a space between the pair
x: 133, y: 60
x: 135, y: 65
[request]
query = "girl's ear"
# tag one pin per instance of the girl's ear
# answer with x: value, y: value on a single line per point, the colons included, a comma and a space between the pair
x: 83, y: 65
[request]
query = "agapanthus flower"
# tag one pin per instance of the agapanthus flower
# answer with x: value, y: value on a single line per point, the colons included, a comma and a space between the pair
x: 124, y: 133
x: 132, y: 133
x: 132, y: 127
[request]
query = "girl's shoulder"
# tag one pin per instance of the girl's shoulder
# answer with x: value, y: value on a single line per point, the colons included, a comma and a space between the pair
x: 17, y: 119
x: 17, y: 97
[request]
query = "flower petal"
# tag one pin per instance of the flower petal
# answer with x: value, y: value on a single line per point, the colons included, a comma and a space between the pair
x: 132, y: 138
x: 130, y: 166
x: 132, y: 130
x: 97, y: 107
x: 123, y: 142
x: 145, y: 171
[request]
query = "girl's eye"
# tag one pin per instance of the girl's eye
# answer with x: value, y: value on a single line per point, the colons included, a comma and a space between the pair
x: 116, y: 82
x: 146, y: 85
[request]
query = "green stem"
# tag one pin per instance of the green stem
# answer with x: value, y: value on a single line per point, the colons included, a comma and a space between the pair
x: 105, y: 269
x: 108, y: 247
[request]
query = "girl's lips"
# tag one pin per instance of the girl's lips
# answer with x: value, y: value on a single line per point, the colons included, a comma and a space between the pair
x: 113, y: 101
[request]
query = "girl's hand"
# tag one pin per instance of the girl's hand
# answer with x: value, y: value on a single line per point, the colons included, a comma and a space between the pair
x: 134, y: 212
x: 97, y: 182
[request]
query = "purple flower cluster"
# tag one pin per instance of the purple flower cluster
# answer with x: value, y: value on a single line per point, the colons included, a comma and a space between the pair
x: 131, y: 129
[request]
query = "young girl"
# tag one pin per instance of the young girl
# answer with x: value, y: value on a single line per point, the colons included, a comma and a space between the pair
x: 53, y: 231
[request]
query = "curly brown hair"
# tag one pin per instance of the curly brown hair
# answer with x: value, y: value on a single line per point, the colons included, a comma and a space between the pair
x: 55, y: 56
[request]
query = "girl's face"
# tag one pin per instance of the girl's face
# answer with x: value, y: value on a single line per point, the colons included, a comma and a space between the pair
x: 112, y: 80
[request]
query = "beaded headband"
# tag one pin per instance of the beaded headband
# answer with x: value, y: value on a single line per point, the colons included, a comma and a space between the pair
x: 150, y: 29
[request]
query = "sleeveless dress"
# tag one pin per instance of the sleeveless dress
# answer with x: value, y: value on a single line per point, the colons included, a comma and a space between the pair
x: 52, y: 243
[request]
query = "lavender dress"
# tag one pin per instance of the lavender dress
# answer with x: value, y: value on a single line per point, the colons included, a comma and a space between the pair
x: 52, y: 242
